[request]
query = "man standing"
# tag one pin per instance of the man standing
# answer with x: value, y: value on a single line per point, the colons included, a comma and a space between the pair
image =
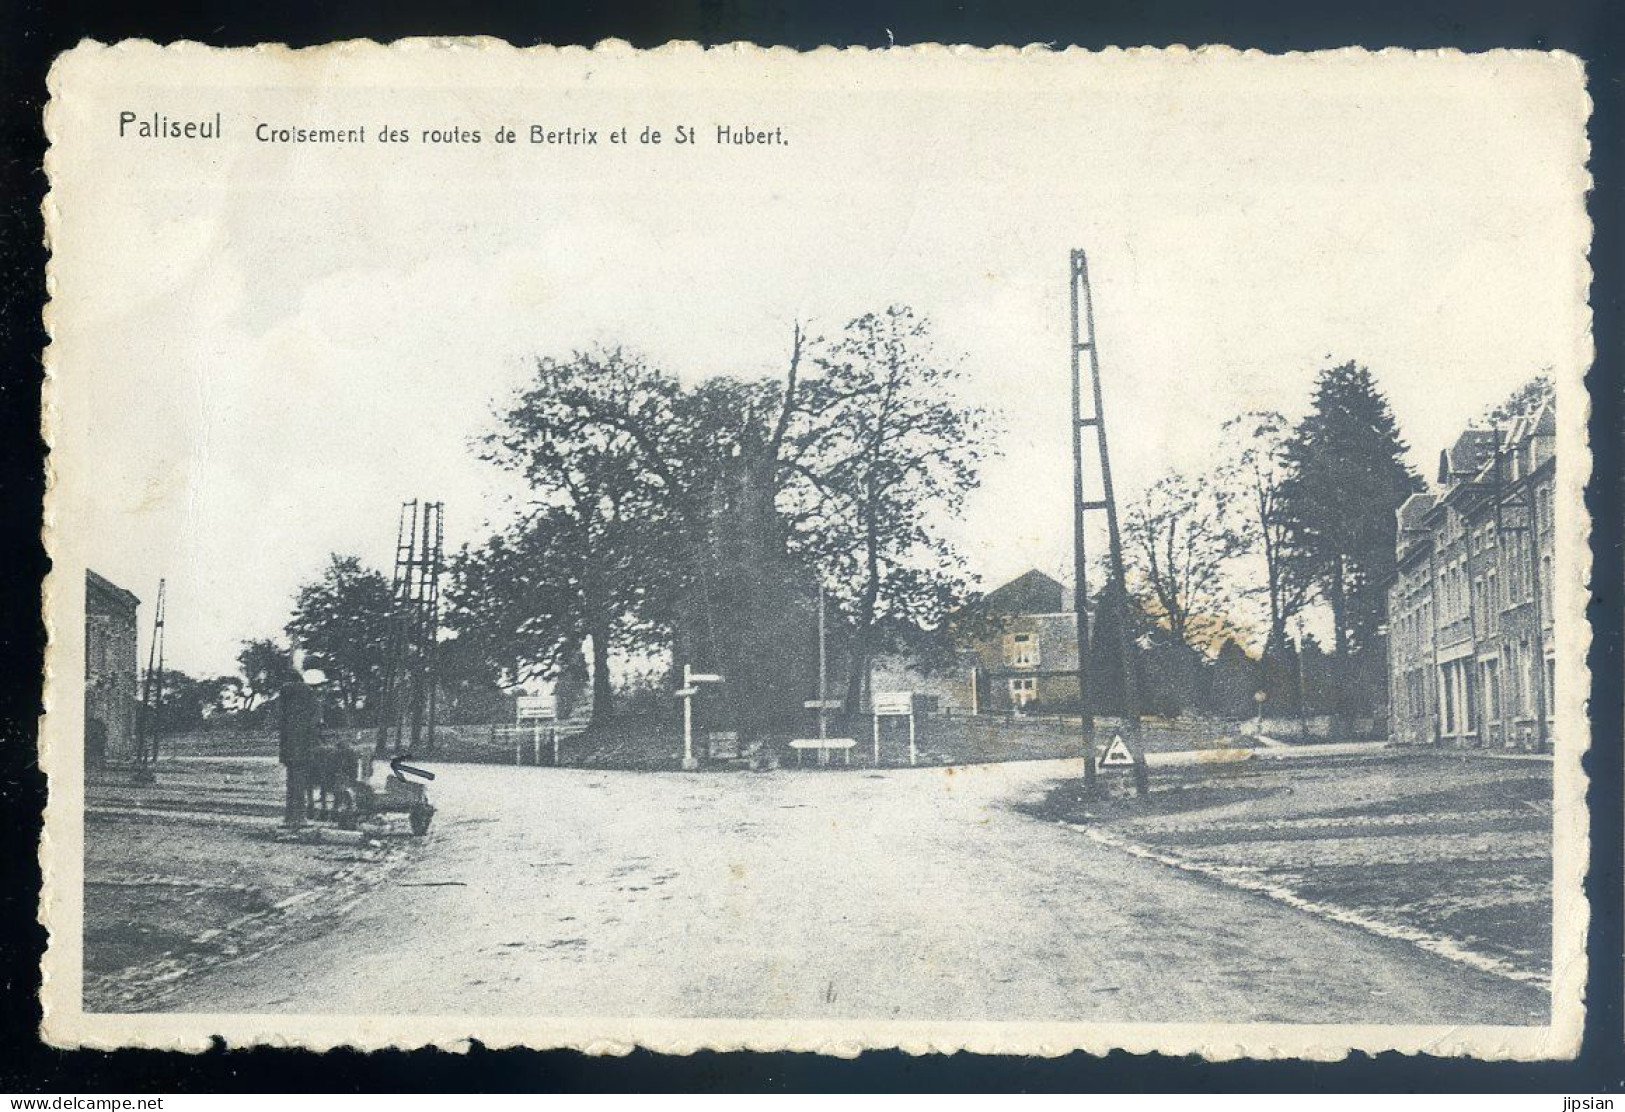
x: 299, y: 733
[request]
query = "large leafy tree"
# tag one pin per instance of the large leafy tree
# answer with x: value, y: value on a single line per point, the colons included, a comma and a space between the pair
x: 1177, y: 543
x: 886, y: 451
x: 1347, y: 476
x: 699, y: 517
x: 264, y: 666
x: 624, y: 465
x: 526, y: 601
x: 342, y: 622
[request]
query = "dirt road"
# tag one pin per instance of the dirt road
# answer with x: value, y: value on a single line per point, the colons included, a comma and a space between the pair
x: 915, y: 894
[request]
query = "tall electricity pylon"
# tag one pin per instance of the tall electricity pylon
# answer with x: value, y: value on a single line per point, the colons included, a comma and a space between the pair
x: 1092, y: 493
x: 407, y: 691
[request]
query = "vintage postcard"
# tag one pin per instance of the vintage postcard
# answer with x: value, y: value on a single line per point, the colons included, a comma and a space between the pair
x: 1012, y: 550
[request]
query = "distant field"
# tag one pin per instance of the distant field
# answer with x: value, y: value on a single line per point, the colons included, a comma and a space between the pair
x: 654, y: 744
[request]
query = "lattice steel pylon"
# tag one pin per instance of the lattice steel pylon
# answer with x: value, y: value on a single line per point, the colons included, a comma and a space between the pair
x: 407, y: 689
x: 152, y: 697
x: 1088, y: 413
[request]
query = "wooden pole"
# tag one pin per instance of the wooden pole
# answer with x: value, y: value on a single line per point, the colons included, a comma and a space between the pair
x: 688, y: 720
x: 823, y: 677
x: 1080, y: 563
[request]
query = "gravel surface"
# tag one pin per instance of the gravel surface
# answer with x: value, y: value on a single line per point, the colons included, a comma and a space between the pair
x: 912, y: 893
x: 1454, y: 847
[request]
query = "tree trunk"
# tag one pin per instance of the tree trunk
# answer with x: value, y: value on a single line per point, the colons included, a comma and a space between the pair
x: 1277, y: 611
x: 865, y: 617
x: 603, y: 696
x: 1340, y: 628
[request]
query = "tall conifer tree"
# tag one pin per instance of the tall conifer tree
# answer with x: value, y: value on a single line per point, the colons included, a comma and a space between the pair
x: 1347, y: 476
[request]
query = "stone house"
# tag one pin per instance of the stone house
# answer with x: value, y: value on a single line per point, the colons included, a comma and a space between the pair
x: 111, y: 669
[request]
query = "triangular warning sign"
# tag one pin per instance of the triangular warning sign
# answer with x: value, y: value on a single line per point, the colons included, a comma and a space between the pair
x: 1116, y: 753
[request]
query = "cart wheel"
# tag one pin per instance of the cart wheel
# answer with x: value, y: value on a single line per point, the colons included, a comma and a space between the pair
x: 344, y: 809
x: 419, y: 817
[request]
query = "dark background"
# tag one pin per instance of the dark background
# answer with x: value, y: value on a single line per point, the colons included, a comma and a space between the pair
x: 32, y: 32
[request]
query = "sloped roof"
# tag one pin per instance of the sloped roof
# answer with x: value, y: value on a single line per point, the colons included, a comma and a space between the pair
x: 1032, y: 592
x: 111, y: 593
x: 1414, y: 509
x: 1467, y: 456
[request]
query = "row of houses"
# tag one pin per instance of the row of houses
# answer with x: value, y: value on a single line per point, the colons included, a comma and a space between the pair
x: 1470, y: 647
x: 1471, y: 651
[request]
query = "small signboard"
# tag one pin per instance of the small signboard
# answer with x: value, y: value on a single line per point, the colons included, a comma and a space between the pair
x: 723, y: 745
x: 528, y: 708
x: 1116, y: 754
x: 894, y: 703
x: 824, y: 704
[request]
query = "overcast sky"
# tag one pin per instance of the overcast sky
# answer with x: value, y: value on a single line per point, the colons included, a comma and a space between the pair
x: 272, y: 347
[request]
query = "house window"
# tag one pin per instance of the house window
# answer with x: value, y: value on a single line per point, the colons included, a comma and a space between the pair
x: 1022, y: 650
x: 1447, y: 702
x: 1526, y: 693
x: 1023, y: 691
x: 1509, y: 673
x: 1492, y: 693
x: 1551, y: 687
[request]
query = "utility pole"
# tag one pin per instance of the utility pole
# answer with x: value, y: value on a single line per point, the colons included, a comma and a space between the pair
x: 823, y: 676
x: 1088, y: 413
x: 152, y: 698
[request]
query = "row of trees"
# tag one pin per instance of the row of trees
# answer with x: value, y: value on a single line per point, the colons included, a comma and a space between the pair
x: 690, y: 522
x: 184, y: 701
x: 696, y: 523
x: 1294, y: 516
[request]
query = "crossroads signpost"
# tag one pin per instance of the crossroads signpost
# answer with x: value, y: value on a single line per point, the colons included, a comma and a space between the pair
x: 690, y: 688
x: 823, y: 704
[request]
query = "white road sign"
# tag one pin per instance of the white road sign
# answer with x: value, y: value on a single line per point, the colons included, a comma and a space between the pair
x: 527, y: 707
x: 1116, y: 753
